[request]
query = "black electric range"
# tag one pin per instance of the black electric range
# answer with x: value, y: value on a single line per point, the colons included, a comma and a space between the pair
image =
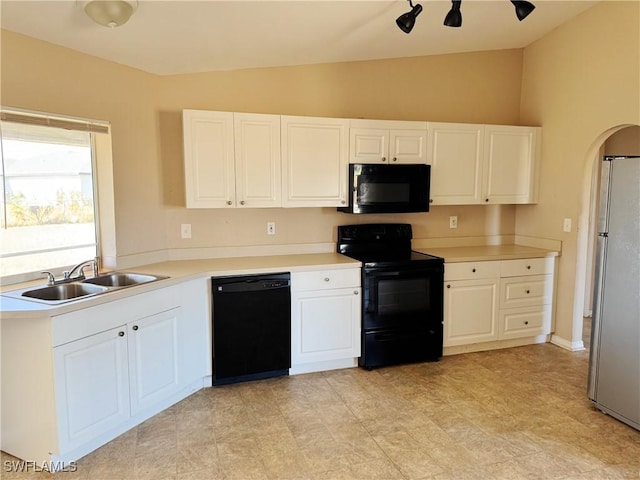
x: 402, y: 301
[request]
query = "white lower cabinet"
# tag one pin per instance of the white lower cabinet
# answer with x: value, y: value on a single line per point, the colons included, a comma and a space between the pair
x: 154, y: 358
x: 92, y: 378
x: 470, y: 311
x: 497, y: 300
x: 101, y: 370
x: 325, y: 320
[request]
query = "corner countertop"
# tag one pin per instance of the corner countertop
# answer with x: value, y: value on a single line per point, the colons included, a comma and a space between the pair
x: 481, y: 253
x: 179, y: 271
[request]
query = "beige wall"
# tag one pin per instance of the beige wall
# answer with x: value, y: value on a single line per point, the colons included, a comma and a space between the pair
x: 625, y: 142
x: 436, y: 88
x: 579, y: 82
x: 41, y: 76
x: 144, y: 111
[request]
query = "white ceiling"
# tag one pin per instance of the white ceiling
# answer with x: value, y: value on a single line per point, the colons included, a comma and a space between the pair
x: 179, y: 36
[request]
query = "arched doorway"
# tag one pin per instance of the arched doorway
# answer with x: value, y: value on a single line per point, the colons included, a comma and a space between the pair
x: 623, y: 140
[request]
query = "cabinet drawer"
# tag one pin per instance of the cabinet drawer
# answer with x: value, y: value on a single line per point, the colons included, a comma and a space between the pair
x: 526, y: 291
x: 525, y: 322
x: 325, y: 279
x: 471, y: 270
x: 527, y: 266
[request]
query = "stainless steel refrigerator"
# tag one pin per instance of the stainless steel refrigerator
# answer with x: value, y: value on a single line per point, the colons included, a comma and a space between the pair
x: 614, y: 364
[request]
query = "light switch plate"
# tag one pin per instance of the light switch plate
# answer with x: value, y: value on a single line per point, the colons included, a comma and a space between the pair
x: 271, y: 228
x: 185, y: 230
x: 453, y: 221
x: 566, y: 226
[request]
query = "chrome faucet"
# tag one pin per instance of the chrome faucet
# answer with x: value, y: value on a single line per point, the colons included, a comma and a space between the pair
x: 67, y: 275
x: 80, y: 268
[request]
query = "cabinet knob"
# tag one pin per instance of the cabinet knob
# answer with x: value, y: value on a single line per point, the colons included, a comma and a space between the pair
x: 431, y: 200
x: 486, y: 200
x: 528, y: 267
x: 528, y: 292
x: 326, y: 279
x: 526, y: 322
x: 355, y: 292
x: 121, y: 334
x: 135, y: 327
x: 241, y: 202
x: 229, y: 202
x: 473, y: 270
x: 342, y: 202
x: 448, y: 286
x: 395, y: 159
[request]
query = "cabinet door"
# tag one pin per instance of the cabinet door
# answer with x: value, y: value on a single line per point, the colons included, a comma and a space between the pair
x: 208, y: 159
x: 470, y: 311
x: 408, y: 146
x: 92, y: 387
x: 455, y: 155
x: 257, y: 160
x: 154, y: 358
x: 325, y: 325
x: 314, y: 161
x: 510, y: 168
x: 368, y: 145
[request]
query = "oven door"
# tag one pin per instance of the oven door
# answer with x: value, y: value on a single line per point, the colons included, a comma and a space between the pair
x: 403, y: 298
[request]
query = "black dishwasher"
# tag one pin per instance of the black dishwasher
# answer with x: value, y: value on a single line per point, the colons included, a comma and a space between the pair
x: 251, y: 327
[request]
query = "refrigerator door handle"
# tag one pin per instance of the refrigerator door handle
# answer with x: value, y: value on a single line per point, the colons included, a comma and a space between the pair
x: 596, y: 320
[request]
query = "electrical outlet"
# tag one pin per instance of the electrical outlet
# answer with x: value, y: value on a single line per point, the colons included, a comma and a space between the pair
x: 453, y: 221
x: 185, y: 230
x: 271, y: 228
x: 566, y: 226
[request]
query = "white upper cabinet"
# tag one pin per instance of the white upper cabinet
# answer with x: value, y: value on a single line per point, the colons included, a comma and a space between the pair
x: 483, y: 164
x: 314, y: 161
x: 455, y: 156
x: 209, y: 170
x: 380, y: 141
x: 510, y: 168
x: 257, y: 151
x: 231, y: 159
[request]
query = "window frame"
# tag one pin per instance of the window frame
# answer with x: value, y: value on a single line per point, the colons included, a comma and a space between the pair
x: 101, y: 166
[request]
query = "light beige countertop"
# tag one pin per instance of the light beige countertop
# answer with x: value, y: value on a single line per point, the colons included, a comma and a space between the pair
x: 481, y: 253
x: 178, y: 271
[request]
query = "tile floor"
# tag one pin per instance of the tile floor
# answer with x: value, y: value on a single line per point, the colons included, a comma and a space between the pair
x: 519, y: 413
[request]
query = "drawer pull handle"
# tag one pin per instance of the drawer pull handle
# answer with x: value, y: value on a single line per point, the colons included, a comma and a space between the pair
x: 121, y: 334
x: 473, y: 270
x: 135, y: 327
x: 326, y: 279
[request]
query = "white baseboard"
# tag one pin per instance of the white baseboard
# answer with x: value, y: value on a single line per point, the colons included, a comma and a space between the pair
x: 566, y: 344
x: 323, y: 366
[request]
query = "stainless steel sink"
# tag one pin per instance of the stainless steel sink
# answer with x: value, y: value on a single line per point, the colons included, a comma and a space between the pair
x: 65, y: 291
x: 77, y: 290
x: 122, y: 279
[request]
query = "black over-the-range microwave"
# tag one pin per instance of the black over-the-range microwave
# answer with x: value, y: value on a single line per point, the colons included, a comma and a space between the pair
x: 388, y: 188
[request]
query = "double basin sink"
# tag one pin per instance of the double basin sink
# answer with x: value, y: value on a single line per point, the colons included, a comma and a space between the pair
x: 65, y: 292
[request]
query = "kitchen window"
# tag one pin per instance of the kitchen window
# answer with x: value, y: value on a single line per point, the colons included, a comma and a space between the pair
x: 48, y: 193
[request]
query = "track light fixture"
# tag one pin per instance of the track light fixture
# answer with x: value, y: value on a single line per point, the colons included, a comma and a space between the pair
x: 406, y: 21
x: 523, y: 8
x: 454, y: 17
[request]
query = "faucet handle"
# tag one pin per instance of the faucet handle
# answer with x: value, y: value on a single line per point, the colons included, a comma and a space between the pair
x: 51, y: 279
